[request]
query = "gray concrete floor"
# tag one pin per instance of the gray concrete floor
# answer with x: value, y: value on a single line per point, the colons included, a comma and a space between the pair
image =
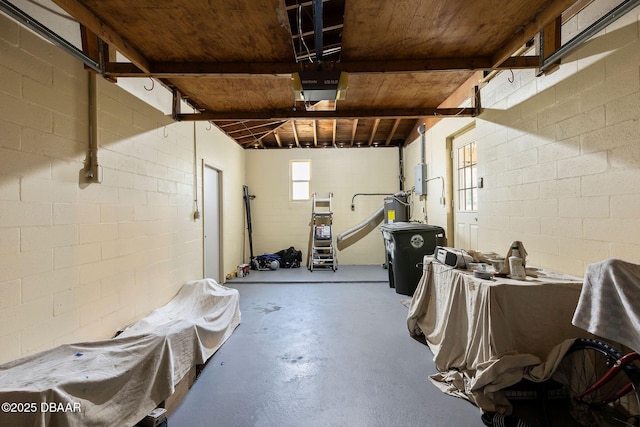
x: 344, y: 274
x: 321, y: 353
x: 327, y: 348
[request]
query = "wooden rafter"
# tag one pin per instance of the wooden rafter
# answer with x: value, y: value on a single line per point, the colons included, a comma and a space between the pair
x: 209, y: 69
x: 376, y: 122
x: 544, y: 18
x: 275, y: 134
x: 231, y: 123
x: 256, y: 126
x: 315, y: 133
x: 295, y: 133
x: 354, y: 128
x: 390, y: 113
x: 273, y: 131
x: 257, y: 135
x: 393, y: 131
x: 335, y: 130
x: 106, y: 33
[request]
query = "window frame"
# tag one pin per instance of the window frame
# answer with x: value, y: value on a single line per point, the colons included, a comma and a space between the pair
x: 467, y: 170
x: 293, y: 181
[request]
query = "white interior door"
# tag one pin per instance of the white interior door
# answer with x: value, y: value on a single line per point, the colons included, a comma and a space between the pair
x: 211, y: 217
x: 465, y: 191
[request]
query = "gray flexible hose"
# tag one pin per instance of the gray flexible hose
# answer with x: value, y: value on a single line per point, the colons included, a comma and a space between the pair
x: 374, y: 219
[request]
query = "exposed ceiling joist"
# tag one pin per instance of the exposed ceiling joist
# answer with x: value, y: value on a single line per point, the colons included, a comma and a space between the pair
x: 329, y: 115
x: 98, y: 27
x: 335, y: 130
x: 315, y: 133
x: 408, y: 63
x: 295, y: 133
x: 354, y: 128
x: 376, y: 123
x: 244, y: 128
x: 162, y: 70
x: 278, y: 140
x: 530, y: 29
x: 393, y: 131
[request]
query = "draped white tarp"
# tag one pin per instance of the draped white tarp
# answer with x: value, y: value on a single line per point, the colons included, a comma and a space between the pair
x: 487, y: 335
x: 609, y: 304
x: 116, y: 382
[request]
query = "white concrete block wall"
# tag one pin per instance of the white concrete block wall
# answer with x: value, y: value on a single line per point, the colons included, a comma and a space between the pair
x: 560, y: 153
x: 80, y: 261
x: 279, y: 222
x: 226, y: 156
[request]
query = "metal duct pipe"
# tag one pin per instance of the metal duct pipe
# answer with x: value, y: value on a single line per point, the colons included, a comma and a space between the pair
x: 374, y: 219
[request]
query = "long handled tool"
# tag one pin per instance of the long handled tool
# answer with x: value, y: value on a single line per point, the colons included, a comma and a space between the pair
x: 247, y: 205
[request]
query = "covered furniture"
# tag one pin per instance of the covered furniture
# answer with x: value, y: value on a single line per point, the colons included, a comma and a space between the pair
x: 116, y: 382
x: 487, y: 335
x: 609, y: 305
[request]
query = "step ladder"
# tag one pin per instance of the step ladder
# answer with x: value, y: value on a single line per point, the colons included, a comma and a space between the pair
x: 322, y: 253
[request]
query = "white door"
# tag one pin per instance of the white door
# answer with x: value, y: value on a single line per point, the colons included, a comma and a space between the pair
x: 211, y: 217
x: 465, y: 191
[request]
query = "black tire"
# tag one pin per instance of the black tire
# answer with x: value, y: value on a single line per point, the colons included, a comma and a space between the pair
x: 585, y: 363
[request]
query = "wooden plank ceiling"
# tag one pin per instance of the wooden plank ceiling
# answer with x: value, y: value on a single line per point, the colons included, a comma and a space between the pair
x: 233, y: 60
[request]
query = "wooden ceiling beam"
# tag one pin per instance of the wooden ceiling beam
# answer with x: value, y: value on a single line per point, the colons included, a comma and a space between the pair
x: 353, y: 131
x: 257, y: 126
x: 288, y: 114
x: 376, y: 122
x: 163, y: 70
x: 541, y: 20
x: 335, y: 130
x: 315, y: 133
x: 295, y: 133
x: 256, y: 136
x: 393, y: 131
x: 463, y: 93
x: 102, y: 30
x: 278, y: 140
x: 231, y: 123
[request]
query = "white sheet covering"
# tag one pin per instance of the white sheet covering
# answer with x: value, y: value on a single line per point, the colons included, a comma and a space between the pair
x: 609, y: 304
x: 117, y: 382
x: 487, y: 335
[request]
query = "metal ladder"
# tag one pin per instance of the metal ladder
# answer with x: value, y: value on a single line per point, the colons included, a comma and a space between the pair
x: 322, y: 253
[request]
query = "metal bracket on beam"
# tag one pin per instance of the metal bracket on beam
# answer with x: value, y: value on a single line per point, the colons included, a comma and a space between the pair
x: 477, y: 104
x: 175, y: 106
x: 577, y: 41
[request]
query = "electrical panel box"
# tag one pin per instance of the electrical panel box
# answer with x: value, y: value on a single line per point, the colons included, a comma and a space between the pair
x: 421, y: 179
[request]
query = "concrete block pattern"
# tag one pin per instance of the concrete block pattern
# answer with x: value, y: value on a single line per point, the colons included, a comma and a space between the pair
x: 48, y: 283
x: 584, y: 207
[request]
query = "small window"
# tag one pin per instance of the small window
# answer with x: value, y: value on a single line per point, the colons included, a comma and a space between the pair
x: 467, y: 178
x: 300, y: 179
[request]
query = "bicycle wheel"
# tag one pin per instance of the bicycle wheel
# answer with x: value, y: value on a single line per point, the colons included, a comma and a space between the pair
x: 584, y: 364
